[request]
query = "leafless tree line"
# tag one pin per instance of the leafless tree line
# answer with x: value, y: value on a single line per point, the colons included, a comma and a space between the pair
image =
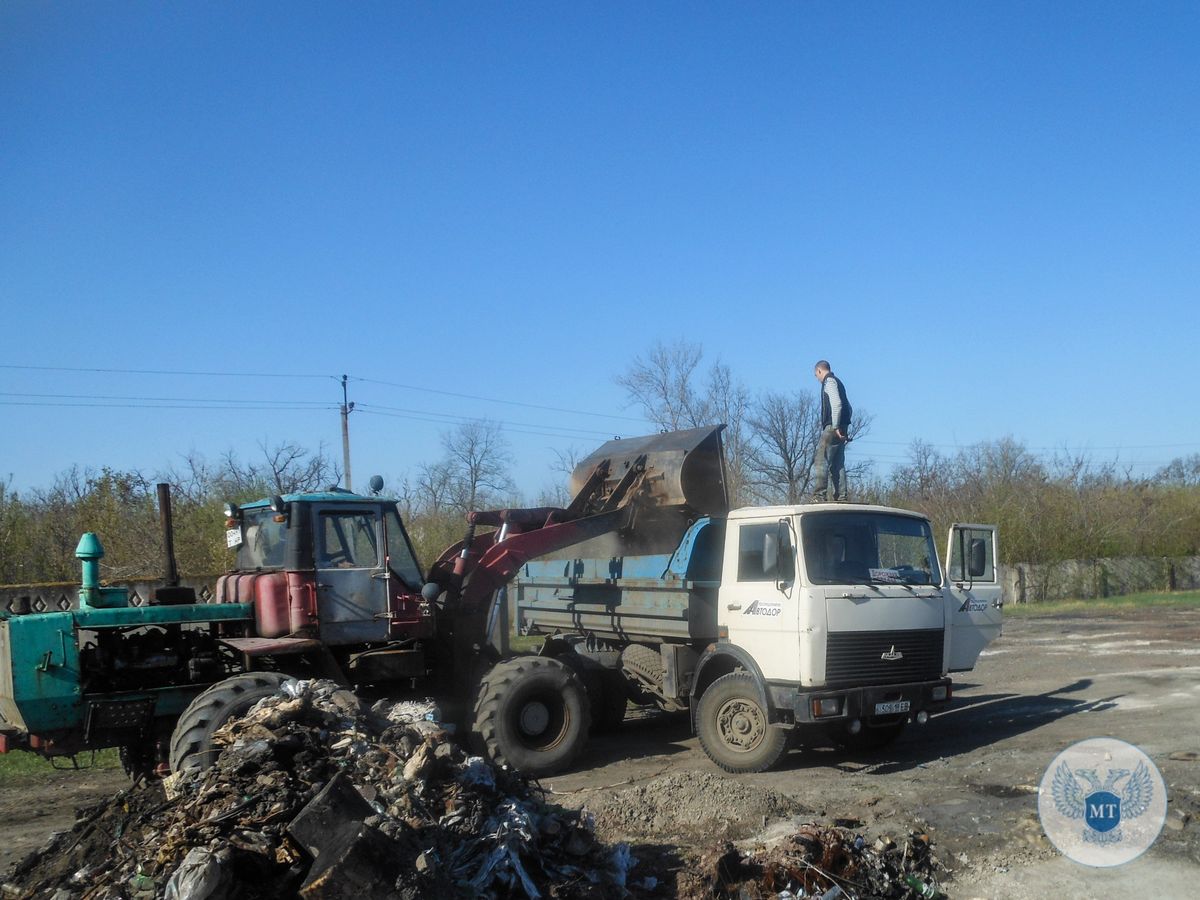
x: 770, y: 437
x: 1066, y: 508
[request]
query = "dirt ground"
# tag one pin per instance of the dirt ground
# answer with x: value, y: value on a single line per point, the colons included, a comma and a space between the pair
x: 968, y: 777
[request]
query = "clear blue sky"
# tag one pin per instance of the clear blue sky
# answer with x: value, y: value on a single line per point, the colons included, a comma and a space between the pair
x: 985, y: 215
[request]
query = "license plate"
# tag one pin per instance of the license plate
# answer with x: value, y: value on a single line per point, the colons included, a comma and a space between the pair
x: 890, y: 709
x: 233, y: 537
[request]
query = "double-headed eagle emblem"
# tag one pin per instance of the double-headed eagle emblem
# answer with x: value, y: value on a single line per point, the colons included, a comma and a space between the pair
x: 1099, y: 805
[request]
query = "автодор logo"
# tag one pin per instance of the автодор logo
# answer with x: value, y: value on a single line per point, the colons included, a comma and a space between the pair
x: 1102, y: 802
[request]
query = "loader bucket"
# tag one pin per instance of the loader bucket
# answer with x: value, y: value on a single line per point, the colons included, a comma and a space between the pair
x: 683, y: 468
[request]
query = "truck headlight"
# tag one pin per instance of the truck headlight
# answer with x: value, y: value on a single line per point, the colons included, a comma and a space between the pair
x: 938, y: 693
x: 826, y: 706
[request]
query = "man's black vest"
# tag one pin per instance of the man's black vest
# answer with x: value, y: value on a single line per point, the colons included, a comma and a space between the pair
x: 843, y: 422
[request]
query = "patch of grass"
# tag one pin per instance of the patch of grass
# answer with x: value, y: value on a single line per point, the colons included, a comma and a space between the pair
x: 1128, y: 602
x: 20, y: 765
x: 525, y: 644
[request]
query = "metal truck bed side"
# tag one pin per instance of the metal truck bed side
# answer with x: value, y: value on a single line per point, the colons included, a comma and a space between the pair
x: 665, y: 596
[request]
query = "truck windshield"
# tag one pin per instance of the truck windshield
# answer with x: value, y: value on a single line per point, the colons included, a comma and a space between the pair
x: 263, y: 540
x: 868, y: 548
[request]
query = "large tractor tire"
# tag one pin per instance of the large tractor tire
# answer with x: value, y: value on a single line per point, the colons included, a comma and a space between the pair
x: 734, y: 727
x: 191, y: 743
x: 532, y: 714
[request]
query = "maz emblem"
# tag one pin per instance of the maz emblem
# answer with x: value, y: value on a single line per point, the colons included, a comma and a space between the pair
x: 892, y: 655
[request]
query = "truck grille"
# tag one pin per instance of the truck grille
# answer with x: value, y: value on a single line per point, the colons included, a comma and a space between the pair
x: 858, y: 657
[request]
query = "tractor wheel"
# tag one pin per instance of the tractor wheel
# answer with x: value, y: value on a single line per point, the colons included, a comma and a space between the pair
x: 532, y: 714
x: 868, y: 738
x: 191, y: 743
x: 735, y: 729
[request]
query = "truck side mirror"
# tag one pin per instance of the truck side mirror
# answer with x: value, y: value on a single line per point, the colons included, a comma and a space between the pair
x: 977, y: 558
x: 785, y: 563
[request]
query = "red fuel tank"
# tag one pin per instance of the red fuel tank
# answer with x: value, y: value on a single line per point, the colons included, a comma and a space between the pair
x: 302, y: 602
x: 271, y: 605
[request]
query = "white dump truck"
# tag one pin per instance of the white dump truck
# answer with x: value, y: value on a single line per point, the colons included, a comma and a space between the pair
x: 829, y: 620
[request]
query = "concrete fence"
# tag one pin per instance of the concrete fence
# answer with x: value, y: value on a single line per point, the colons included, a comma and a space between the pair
x: 61, y: 596
x: 1087, y: 579
x: 1074, y: 579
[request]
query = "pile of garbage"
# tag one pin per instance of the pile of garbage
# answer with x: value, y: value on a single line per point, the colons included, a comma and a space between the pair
x: 818, y: 862
x: 315, y: 795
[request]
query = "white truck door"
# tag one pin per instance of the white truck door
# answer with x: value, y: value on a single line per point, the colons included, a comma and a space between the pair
x: 973, y: 595
x: 758, y: 598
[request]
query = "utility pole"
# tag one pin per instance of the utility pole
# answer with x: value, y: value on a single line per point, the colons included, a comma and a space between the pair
x: 347, y: 408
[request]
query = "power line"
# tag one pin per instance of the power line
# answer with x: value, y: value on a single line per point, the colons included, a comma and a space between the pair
x: 117, y: 405
x: 464, y: 421
x: 584, y: 432
x: 407, y: 387
x: 560, y: 409
x: 317, y: 403
x: 1063, y: 448
x: 165, y: 372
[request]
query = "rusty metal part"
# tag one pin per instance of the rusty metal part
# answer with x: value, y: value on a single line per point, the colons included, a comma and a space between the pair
x: 388, y: 664
x: 272, y: 646
x: 170, y: 568
x: 681, y: 468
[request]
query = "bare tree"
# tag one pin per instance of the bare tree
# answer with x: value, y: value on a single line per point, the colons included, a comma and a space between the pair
x: 558, y: 492
x: 289, y: 468
x: 783, y: 433
x: 478, y: 457
x: 1183, y: 471
x: 434, y: 487
x: 667, y: 385
x: 662, y: 383
x: 783, y: 437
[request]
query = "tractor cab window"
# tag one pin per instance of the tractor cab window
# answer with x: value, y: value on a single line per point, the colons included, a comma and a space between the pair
x: 347, y: 540
x: 263, y: 541
x: 400, y: 553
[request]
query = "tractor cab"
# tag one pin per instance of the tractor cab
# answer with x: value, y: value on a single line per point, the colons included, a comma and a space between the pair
x: 332, y: 565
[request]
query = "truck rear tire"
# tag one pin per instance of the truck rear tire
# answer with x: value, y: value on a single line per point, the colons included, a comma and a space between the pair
x: 191, y: 742
x: 734, y: 727
x: 532, y: 714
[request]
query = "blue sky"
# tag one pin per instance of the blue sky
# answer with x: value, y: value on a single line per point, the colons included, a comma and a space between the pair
x: 985, y: 215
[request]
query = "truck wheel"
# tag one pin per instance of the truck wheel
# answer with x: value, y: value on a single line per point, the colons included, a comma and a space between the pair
x: 735, y: 729
x: 532, y: 714
x: 191, y: 742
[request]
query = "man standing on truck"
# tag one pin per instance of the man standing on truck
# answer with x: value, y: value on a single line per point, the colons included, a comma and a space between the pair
x: 829, y: 461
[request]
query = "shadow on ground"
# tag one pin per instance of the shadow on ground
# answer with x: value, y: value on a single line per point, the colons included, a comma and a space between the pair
x: 970, y: 723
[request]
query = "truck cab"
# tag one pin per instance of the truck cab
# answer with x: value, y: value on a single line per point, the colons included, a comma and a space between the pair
x: 847, y: 613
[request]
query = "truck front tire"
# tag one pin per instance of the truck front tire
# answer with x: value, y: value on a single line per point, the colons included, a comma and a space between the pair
x: 532, y: 714
x: 734, y: 727
x: 191, y: 742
